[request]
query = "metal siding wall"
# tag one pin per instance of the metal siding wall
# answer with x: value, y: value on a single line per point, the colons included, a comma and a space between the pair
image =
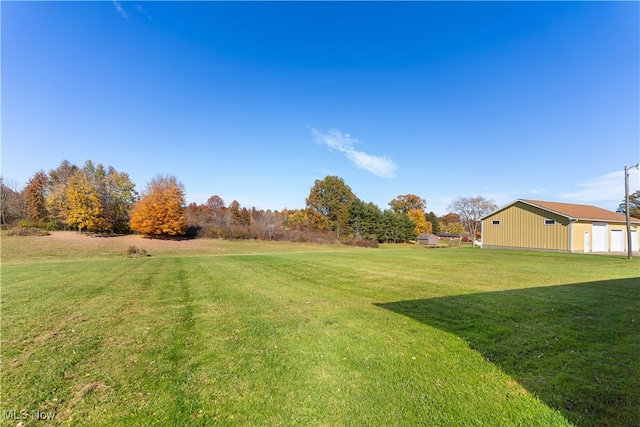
x: 522, y: 226
x: 578, y: 235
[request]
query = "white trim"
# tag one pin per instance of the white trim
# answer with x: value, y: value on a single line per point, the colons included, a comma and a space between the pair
x: 571, y: 236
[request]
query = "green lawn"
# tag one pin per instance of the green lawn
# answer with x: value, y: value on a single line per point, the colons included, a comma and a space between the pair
x: 254, y: 333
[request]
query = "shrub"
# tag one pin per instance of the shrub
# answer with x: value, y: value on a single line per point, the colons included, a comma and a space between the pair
x: 192, y: 232
x: 27, y: 223
x: 238, y: 232
x: 363, y: 243
x: 50, y: 225
x: 45, y: 225
x: 27, y: 231
x: 212, y: 231
x: 134, y: 252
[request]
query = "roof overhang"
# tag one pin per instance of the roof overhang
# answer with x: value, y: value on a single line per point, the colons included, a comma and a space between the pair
x: 634, y: 221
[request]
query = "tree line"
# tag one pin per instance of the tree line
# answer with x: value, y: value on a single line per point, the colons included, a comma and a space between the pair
x: 101, y: 199
x: 91, y: 198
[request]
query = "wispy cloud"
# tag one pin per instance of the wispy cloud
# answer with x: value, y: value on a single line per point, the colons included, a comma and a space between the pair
x: 120, y: 9
x: 608, y: 187
x: 344, y: 143
x: 143, y: 11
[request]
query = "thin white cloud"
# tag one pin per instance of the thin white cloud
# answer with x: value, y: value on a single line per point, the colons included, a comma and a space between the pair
x: 120, y: 9
x: 143, y: 11
x: 344, y: 143
x: 604, y: 188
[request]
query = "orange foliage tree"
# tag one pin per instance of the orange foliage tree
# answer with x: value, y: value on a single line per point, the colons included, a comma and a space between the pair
x: 161, y: 210
x: 36, y: 198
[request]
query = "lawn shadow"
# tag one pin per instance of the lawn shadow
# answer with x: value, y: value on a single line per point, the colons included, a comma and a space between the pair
x: 576, y: 347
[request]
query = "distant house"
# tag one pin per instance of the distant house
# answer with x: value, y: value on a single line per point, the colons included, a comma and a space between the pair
x: 552, y: 226
x: 428, y: 239
x: 455, y: 236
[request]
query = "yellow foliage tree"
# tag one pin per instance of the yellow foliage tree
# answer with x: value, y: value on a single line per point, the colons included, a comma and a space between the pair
x: 297, y: 219
x: 422, y: 225
x: 455, y: 228
x: 84, y: 204
x: 161, y: 210
x: 57, y: 203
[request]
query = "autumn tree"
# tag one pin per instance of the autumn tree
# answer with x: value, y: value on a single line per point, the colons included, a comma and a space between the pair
x: 85, y: 206
x: 317, y: 220
x: 455, y: 228
x: 471, y: 210
x: 36, y: 197
x: 449, y: 218
x: 405, y: 202
x: 161, y: 210
x: 239, y: 216
x: 57, y: 203
x: 93, y: 198
x: 422, y: 226
x: 119, y: 195
x: 435, y: 222
x: 297, y: 219
x: 196, y: 214
x: 328, y: 204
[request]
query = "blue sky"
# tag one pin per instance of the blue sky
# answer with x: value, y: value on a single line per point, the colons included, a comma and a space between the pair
x: 254, y: 101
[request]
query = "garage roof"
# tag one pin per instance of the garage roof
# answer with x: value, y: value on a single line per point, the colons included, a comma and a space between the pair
x: 573, y: 211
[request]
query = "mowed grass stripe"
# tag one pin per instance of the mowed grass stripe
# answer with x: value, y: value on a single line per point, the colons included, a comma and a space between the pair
x: 341, y: 359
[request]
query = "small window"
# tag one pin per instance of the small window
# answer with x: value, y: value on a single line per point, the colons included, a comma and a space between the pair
x: 549, y: 222
x: 495, y: 222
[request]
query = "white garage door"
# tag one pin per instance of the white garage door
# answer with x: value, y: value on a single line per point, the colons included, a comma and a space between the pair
x: 617, y: 241
x: 599, y: 238
x: 634, y: 240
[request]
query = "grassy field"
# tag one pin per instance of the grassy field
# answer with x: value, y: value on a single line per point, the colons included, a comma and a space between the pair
x: 255, y: 333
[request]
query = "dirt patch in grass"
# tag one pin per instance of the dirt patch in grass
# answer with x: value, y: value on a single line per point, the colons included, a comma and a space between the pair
x: 46, y: 337
x: 42, y: 339
x: 61, y: 327
x: 99, y: 388
x: 71, y: 245
x: 92, y: 240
